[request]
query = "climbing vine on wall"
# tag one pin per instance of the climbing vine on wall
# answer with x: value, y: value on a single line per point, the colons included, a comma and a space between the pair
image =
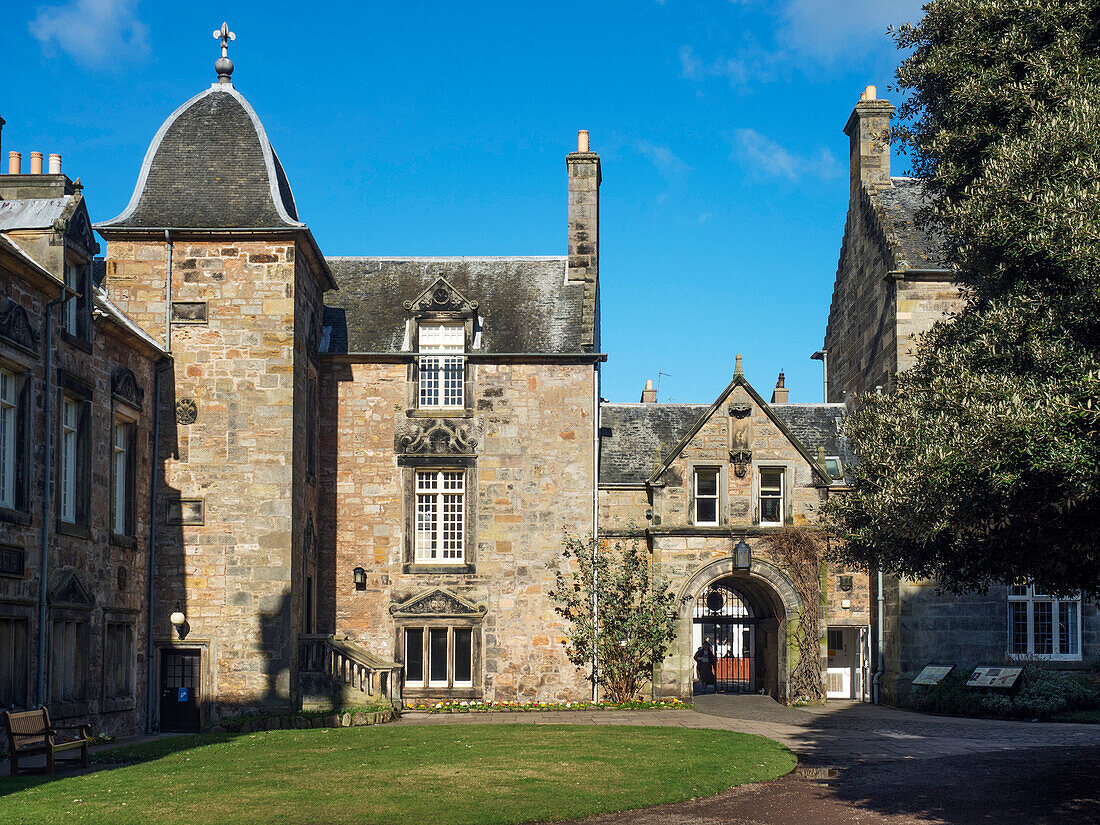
x: 801, y: 551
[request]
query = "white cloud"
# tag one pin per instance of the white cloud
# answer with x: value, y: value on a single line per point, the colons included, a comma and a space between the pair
x: 768, y: 157
x: 92, y: 32
x: 667, y: 163
x: 827, y: 29
x: 751, y: 63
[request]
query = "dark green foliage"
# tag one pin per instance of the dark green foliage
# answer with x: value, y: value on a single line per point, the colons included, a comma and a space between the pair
x: 984, y: 465
x: 635, y: 619
x: 1043, y: 693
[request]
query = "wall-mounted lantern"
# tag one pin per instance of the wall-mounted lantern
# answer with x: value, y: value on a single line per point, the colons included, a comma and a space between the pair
x: 742, y: 556
x: 179, y: 622
x: 360, y: 576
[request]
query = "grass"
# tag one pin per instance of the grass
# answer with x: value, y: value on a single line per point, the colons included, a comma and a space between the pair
x: 453, y: 774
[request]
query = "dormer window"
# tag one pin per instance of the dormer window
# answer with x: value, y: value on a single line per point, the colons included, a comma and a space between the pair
x: 442, y: 369
x: 75, y: 309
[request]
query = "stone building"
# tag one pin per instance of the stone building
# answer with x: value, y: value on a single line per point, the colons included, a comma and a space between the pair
x: 891, y: 285
x: 76, y: 429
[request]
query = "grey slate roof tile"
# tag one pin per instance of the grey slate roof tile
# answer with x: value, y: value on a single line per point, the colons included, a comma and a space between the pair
x: 816, y: 425
x: 918, y: 247
x: 524, y: 304
x: 211, y: 166
x: 634, y: 437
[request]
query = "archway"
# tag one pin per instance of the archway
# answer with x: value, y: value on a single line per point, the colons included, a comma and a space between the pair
x: 764, y: 600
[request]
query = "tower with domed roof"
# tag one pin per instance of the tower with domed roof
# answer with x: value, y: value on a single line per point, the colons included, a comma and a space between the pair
x: 211, y: 258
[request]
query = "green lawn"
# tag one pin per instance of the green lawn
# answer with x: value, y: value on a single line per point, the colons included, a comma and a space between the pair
x: 439, y: 774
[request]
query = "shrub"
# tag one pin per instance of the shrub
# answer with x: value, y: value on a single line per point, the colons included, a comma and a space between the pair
x: 1042, y: 693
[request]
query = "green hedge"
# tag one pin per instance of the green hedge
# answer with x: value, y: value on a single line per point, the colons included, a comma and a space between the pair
x: 1042, y: 693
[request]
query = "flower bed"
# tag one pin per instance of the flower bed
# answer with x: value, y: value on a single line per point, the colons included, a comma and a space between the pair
x: 464, y: 706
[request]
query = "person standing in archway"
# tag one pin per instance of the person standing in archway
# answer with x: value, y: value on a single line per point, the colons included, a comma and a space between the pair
x: 704, y: 665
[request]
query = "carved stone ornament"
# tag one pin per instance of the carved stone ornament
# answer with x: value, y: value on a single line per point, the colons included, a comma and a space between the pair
x: 309, y: 537
x: 124, y: 387
x: 186, y: 411
x: 740, y: 410
x: 438, y: 603
x: 440, y: 297
x: 740, y: 459
x: 439, y: 437
x: 16, y: 327
x: 71, y: 591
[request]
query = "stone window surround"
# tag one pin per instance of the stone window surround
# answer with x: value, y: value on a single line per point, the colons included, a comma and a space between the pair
x: 23, y: 369
x: 1030, y: 600
x: 128, y: 617
x: 414, y: 690
x: 412, y: 394
x: 723, y: 490
x: 80, y: 391
x: 23, y: 611
x: 788, y: 468
x: 408, y: 465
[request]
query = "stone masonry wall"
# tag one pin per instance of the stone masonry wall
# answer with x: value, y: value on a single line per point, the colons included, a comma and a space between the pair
x: 231, y: 574
x: 533, y: 480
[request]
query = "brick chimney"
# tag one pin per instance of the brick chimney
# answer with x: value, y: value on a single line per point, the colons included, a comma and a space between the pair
x: 779, y: 394
x: 584, y: 231
x: 649, y: 394
x: 868, y: 130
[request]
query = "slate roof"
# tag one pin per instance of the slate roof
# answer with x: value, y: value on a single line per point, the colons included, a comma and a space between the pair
x: 918, y: 248
x: 634, y: 436
x: 32, y: 213
x: 211, y: 166
x: 524, y: 304
x: 816, y: 425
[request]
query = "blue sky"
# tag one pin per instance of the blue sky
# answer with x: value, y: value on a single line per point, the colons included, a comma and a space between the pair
x: 441, y: 129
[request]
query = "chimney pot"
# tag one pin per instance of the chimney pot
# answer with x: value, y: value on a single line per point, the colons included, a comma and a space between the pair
x: 582, y: 141
x: 36, y: 163
x: 870, y: 93
x: 15, y: 160
x: 55, y: 164
x: 649, y: 394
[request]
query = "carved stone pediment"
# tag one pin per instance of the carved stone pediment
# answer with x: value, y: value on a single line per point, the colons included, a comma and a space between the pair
x: 439, y: 436
x: 71, y: 592
x: 438, y: 603
x: 441, y: 296
x: 124, y: 387
x: 15, y: 325
x: 740, y: 410
x: 186, y: 411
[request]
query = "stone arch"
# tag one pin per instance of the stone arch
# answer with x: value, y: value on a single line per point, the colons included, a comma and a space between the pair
x: 770, y: 591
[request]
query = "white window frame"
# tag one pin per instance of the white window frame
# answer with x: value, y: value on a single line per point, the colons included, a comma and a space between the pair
x: 1030, y: 598
x: 716, y: 497
x: 440, y: 512
x: 70, y: 446
x: 9, y: 436
x: 442, y: 366
x: 760, y: 496
x: 426, y: 680
x: 121, y: 465
x: 73, y: 275
x: 839, y: 465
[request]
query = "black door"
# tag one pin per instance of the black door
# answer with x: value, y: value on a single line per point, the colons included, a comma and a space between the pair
x: 179, y: 690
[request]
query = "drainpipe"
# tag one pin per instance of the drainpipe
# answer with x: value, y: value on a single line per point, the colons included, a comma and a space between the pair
x: 43, y: 568
x: 595, y: 523
x: 877, y: 682
x: 168, y: 291
x: 150, y: 575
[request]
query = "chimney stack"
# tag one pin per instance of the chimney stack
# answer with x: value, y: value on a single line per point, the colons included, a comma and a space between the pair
x: 649, y: 394
x: 868, y: 131
x: 36, y: 163
x: 583, y: 235
x: 2, y: 122
x: 55, y: 164
x: 15, y: 161
x: 780, y: 393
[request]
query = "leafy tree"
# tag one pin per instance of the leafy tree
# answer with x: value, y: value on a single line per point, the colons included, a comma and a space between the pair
x: 636, y: 612
x: 984, y: 465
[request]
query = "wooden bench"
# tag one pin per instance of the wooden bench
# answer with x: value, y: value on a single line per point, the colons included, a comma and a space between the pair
x: 30, y: 732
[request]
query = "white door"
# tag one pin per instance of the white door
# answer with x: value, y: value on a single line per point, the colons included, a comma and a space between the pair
x: 843, y: 660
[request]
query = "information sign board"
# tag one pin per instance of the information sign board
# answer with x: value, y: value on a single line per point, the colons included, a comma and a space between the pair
x: 997, y: 677
x: 933, y: 674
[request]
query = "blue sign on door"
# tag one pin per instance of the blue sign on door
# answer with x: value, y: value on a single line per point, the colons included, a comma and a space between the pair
x: 182, y: 695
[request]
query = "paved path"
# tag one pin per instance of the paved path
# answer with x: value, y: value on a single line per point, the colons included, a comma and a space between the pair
x: 840, y: 735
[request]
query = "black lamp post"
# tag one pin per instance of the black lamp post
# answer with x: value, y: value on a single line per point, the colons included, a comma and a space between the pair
x: 742, y: 555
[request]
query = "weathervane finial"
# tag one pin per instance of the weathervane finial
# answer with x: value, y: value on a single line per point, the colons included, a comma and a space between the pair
x: 224, y: 65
